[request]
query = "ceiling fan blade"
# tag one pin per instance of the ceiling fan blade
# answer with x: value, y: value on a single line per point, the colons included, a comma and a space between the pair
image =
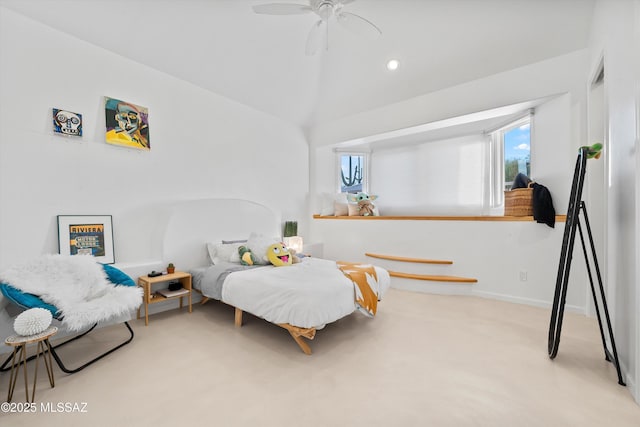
x: 281, y: 9
x: 358, y: 25
x: 314, y: 39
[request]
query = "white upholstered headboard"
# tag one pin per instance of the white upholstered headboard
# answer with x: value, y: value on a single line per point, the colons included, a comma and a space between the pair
x: 190, y: 225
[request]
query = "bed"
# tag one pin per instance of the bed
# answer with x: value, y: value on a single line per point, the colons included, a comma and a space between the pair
x: 301, y: 298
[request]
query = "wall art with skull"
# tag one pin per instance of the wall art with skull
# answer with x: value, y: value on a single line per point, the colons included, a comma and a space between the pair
x: 127, y: 124
x: 67, y: 123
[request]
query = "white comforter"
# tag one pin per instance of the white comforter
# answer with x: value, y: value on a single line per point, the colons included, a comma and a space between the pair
x: 309, y: 294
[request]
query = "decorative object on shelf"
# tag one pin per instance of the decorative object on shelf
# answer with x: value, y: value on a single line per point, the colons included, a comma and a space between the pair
x: 86, y: 235
x: 364, y: 202
x: 32, y: 321
x: 518, y: 202
x: 127, y: 124
x: 67, y: 123
x: 171, y: 268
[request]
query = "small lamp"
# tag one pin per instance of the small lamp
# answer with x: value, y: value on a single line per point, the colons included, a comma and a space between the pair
x: 291, y: 238
x: 295, y: 243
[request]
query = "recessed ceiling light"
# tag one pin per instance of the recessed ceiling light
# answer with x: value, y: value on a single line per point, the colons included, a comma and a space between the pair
x: 393, y: 64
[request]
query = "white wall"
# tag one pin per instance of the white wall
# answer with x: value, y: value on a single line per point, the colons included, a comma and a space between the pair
x: 615, y: 37
x: 494, y: 253
x: 203, y: 145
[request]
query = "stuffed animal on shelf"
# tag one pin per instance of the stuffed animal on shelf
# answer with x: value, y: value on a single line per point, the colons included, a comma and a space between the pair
x: 365, y: 203
x: 279, y: 255
x: 246, y: 256
x: 593, y: 151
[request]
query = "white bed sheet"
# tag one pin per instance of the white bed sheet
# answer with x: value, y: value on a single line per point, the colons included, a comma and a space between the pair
x: 309, y: 294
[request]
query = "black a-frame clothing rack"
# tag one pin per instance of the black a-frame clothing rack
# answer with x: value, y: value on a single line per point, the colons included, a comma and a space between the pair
x: 576, y: 206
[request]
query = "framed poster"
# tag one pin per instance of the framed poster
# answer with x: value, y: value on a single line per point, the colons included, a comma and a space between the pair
x: 86, y: 235
x: 67, y: 123
x: 127, y: 124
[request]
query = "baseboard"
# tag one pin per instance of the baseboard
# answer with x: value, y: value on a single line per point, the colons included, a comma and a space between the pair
x: 527, y: 301
x: 431, y: 287
x: 468, y: 289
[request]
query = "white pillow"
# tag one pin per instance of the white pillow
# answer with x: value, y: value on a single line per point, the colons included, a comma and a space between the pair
x: 340, y: 204
x: 333, y: 204
x: 259, y: 243
x: 227, y: 252
x: 326, y: 204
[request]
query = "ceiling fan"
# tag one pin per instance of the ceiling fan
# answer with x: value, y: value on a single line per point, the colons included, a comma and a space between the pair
x: 325, y: 9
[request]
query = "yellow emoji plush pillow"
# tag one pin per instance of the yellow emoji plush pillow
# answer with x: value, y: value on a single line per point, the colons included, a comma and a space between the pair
x: 279, y: 255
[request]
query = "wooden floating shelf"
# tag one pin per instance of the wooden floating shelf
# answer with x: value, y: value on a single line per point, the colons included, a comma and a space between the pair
x: 433, y: 278
x: 405, y: 259
x: 559, y: 218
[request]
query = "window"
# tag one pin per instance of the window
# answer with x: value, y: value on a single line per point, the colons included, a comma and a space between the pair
x: 353, y: 172
x: 516, y: 143
x: 510, y: 155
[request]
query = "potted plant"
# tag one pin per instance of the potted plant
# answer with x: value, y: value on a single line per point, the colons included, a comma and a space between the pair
x: 290, y: 228
x: 171, y: 268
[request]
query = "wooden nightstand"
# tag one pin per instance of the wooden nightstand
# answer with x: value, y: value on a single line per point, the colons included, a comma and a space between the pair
x: 147, y: 282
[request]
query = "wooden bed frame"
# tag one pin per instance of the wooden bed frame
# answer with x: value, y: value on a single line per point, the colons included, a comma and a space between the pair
x: 296, y: 332
x: 188, y: 225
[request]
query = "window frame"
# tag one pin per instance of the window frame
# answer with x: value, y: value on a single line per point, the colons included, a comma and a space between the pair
x: 497, y: 163
x: 366, y: 164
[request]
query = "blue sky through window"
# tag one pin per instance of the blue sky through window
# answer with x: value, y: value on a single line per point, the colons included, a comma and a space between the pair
x: 517, y: 142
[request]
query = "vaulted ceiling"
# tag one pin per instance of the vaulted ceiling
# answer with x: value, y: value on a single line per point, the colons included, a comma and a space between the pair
x: 260, y: 61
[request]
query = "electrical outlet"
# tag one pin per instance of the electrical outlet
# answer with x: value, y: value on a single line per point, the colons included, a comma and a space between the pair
x: 523, y: 276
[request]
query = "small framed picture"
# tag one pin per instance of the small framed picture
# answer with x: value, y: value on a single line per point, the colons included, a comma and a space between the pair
x: 67, y: 123
x: 86, y: 235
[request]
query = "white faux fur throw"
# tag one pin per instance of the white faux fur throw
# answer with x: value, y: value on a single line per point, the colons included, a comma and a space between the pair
x: 76, y: 285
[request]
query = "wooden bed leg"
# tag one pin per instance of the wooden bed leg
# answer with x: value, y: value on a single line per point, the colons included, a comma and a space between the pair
x: 301, y: 343
x: 297, y: 334
x: 238, y: 319
x: 204, y: 300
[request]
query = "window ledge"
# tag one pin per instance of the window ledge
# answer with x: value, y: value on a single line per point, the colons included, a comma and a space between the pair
x: 559, y: 218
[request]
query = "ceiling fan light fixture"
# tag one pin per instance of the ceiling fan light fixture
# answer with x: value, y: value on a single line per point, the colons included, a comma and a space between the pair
x: 325, y: 10
x: 393, y: 64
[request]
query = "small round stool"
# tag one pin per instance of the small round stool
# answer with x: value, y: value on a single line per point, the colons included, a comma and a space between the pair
x: 19, y: 344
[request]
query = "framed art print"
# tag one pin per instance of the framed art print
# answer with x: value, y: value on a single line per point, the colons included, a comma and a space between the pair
x: 127, y: 124
x: 86, y: 235
x: 67, y: 123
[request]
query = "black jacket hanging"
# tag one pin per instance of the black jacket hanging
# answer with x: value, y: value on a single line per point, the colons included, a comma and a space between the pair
x: 542, y: 203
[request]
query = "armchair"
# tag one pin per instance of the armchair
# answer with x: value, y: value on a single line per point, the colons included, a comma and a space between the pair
x: 78, y: 292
